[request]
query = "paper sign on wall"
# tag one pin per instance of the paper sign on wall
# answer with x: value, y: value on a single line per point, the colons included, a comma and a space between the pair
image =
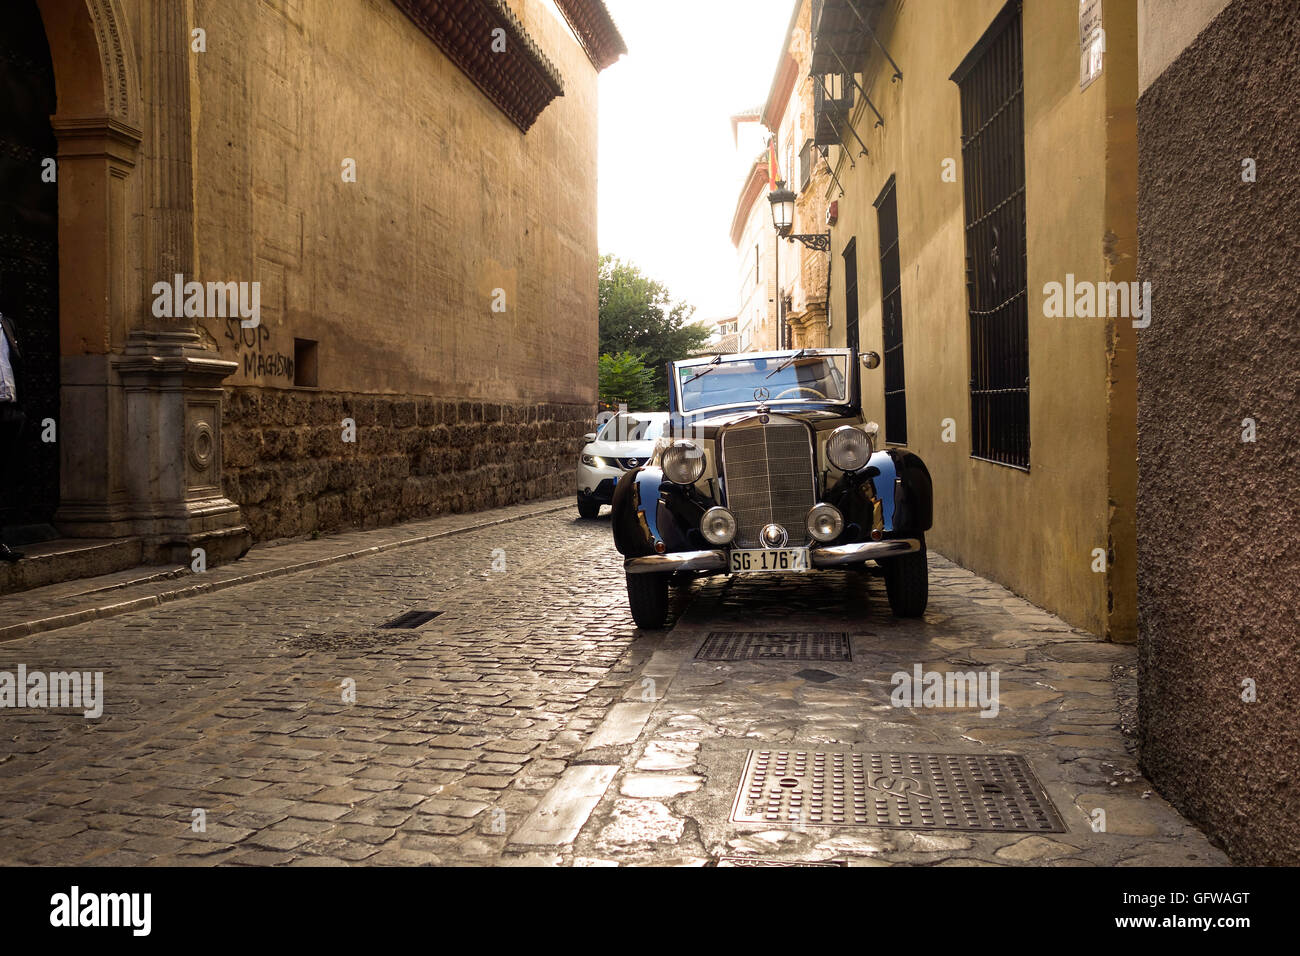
x: 1092, y: 42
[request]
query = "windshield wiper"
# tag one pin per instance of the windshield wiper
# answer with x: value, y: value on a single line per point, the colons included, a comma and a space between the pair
x: 786, y: 364
x: 717, y: 359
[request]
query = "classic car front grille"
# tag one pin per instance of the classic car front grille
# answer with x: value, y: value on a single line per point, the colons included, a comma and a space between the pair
x: 768, y: 475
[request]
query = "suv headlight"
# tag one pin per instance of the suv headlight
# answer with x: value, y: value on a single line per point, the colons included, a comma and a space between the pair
x: 825, y: 522
x: 683, y: 462
x: 593, y: 461
x: 848, y: 448
x: 718, y: 526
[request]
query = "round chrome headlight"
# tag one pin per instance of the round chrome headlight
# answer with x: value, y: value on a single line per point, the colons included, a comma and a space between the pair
x: 848, y: 448
x: 825, y: 523
x: 683, y: 462
x: 718, y: 526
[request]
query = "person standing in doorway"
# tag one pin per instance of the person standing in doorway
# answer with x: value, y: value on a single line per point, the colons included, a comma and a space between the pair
x: 11, y: 413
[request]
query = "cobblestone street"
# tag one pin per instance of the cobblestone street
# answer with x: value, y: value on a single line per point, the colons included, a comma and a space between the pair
x: 232, y: 704
x: 530, y: 722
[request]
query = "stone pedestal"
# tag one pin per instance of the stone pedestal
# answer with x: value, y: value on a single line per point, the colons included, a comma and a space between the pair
x: 171, y: 447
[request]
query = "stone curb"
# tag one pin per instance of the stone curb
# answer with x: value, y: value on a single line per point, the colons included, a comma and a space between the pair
x: 60, y: 621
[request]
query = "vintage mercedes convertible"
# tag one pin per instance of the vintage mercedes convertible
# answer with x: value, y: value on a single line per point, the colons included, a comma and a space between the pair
x: 766, y: 465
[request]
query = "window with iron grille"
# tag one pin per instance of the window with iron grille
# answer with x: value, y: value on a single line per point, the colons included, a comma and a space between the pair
x: 851, y: 294
x: 891, y: 316
x: 991, y: 81
x: 807, y: 157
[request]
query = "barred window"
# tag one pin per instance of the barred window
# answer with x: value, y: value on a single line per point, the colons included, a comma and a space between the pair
x: 851, y: 294
x: 891, y: 316
x: 807, y: 159
x: 991, y: 81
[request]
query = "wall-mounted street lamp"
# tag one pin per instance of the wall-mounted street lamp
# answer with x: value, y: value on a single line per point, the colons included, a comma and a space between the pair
x: 782, y: 200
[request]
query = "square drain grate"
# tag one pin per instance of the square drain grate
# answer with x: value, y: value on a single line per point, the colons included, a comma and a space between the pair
x: 411, y: 620
x: 775, y: 646
x: 903, y: 791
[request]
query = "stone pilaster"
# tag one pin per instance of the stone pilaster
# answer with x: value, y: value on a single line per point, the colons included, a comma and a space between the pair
x: 808, y: 328
x: 171, y: 170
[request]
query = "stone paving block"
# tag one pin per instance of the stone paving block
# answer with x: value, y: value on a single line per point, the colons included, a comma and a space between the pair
x: 564, y: 810
x: 623, y: 726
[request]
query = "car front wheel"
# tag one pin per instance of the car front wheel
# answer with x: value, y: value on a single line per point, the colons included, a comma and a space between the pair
x: 647, y: 596
x: 907, y: 582
x: 588, y: 508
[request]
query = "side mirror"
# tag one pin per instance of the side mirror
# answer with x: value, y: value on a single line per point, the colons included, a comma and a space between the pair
x: 870, y: 359
x: 589, y: 437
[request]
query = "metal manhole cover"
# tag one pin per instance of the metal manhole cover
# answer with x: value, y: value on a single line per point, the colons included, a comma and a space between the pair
x: 903, y: 791
x: 411, y: 620
x: 755, y: 861
x: 775, y: 646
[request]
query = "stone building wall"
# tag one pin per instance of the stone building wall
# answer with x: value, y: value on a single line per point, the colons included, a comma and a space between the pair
x: 1218, y: 513
x: 418, y: 240
x: 445, y: 295
x: 287, y: 465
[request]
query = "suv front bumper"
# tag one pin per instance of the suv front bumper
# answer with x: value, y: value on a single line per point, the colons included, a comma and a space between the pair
x: 821, y: 557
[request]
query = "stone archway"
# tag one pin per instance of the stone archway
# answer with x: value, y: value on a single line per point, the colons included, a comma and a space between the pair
x: 136, y: 399
x: 98, y: 127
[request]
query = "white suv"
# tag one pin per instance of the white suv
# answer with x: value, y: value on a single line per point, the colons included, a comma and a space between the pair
x: 625, y: 442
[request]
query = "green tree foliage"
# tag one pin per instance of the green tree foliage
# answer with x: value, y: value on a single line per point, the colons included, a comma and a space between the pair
x: 625, y: 380
x: 638, y: 316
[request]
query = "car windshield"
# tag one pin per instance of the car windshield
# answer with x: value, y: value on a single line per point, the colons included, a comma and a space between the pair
x: 631, y: 428
x: 734, y: 381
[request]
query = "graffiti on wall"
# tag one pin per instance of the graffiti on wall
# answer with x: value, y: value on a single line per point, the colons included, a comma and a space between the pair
x: 256, y: 353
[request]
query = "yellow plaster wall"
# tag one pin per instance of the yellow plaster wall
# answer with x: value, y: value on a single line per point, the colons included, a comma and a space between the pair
x: 1034, y: 531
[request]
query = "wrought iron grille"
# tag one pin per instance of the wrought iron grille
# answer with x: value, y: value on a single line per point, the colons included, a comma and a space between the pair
x: 891, y: 316
x: 851, y: 294
x: 991, y: 81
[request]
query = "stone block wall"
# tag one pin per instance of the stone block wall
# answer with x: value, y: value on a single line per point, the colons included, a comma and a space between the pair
x: 288, y: 468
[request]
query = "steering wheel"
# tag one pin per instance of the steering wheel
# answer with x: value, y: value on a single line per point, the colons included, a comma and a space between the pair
x: 802, y: 388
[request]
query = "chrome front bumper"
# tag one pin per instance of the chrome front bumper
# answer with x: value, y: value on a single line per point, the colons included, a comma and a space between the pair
x: 822, y: 557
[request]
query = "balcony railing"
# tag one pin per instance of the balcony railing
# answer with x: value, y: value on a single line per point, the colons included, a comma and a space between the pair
x: 832, y: 106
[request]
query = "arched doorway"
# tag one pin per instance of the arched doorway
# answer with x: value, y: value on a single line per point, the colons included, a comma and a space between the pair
x: 29, y: 473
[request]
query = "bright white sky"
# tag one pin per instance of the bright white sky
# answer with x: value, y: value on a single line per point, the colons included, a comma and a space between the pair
x: 669, y: 174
